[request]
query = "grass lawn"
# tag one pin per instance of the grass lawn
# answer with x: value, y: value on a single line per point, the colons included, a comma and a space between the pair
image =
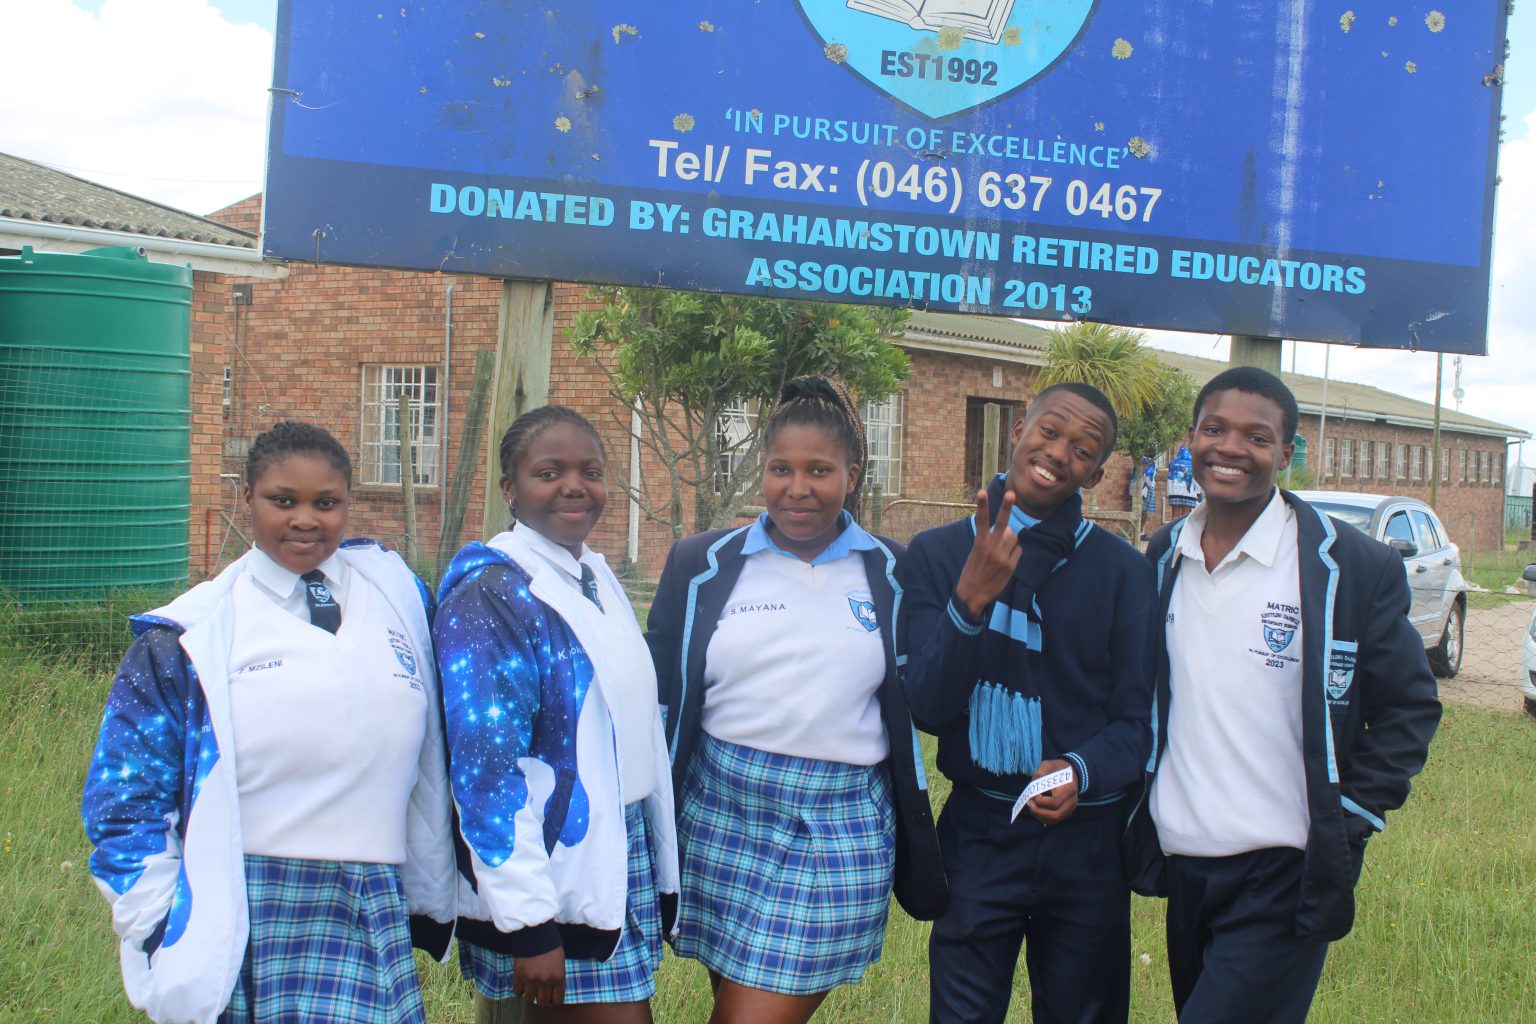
x: 1446, y: 932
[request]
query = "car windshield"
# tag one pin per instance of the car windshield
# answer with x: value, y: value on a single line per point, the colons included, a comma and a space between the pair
x: 1359, y: 518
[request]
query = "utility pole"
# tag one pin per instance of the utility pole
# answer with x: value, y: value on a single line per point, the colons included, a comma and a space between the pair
x: 1434, y: 454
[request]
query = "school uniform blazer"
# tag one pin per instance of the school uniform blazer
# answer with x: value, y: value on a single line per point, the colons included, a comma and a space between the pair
x: 161, y: 804
x: 700, y: 573
x: 1368, y: 709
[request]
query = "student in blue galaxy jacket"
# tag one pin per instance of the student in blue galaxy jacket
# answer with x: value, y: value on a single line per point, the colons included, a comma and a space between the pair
x: 1294, y: 704
x: 268, y: 799
x: 558, y: 767
x: 1030, y: 653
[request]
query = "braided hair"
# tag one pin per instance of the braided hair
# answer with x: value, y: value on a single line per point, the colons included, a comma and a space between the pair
x: 528, y: 426
x: 818, y: 402
x: 291, y: 437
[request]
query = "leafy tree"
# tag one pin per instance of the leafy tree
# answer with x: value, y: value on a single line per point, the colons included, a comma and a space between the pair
x: 681, y: 360
x: 1164, y: 420
x: 1112, y: 359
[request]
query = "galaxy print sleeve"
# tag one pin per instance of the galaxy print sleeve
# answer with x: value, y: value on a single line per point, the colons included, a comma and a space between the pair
x: 137, y: 789
x: 495, y: 661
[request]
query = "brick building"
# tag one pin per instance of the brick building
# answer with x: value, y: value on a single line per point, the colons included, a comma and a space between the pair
x: 339, y: 345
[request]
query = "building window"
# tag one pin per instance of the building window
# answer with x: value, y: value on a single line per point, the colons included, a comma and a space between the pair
x: 1487, y: 461
x: 1330, y: 449
x: 1346, y: 458
x: 1383, y: 459
x: 1400, y: 462
x: 382, y: 387
x: 1366, y: 468
x: 1496, y: 471
x: 1445, y: 465
x: 882, y: 427
x: 1461, y: 466
x: 1416, y: 463
x: 733, y: 434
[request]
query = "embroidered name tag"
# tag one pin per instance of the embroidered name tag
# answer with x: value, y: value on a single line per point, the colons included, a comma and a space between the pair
x: 260, y: 666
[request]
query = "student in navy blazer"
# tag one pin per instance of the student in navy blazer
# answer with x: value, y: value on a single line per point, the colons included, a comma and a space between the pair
x: 1258, y: 888
x: 801, y: 793
x: 702, y: 570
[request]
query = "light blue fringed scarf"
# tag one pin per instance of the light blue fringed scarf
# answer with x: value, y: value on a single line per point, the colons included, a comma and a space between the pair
x: 1005, y: 712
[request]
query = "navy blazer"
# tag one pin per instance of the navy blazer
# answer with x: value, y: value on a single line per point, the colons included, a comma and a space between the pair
x: 700, y: 573
x: 1368, y: 710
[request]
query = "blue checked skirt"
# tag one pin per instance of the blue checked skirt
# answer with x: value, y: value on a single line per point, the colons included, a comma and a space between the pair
x: 629, y: 976
x: 787, y: 865
x: 330, y: 943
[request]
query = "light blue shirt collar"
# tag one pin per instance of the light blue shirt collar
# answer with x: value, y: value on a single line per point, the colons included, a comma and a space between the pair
x: 1018, y: 519
x: 851, y: 539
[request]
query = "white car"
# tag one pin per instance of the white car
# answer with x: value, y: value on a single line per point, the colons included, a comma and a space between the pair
x: 1432, y: 562
x: 1528, y: 658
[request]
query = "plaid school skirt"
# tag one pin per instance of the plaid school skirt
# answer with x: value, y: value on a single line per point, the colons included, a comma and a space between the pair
x: 787, y: 866
x: 629, y: 976
x: 330, y: 943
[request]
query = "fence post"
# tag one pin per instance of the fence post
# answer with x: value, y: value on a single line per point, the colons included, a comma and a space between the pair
x: 991, y: 440
x: 407, y: 479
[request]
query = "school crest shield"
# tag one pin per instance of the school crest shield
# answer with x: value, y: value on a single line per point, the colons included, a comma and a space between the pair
x: 1279, y: 630
x: 864, y: 613
x: 1341, y: 672
x: 942, y: 57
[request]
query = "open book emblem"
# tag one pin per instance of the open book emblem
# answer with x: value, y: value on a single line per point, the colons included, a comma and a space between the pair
x: 942, y: 57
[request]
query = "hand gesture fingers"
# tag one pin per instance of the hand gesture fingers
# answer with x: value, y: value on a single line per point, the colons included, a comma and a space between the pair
x: 994, y: 553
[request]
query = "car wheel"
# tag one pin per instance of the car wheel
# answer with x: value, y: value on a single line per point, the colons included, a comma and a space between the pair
x: 1445, y: 657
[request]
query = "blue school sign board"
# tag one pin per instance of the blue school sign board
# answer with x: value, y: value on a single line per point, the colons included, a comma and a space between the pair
x: 1279, y: 168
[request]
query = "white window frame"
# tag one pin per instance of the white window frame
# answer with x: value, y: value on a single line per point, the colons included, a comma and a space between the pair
x: 1445, y: 465
x: 1346, y: 457
x: 1461, y: 465
x: 1330, y: 449
x: 883, y: 436
x: 1416, y: 462
x: 1367, y: 467
x: 733, y: 427
x: 379, y: 455
x: 1383, y: 459
x: 1399, y: 462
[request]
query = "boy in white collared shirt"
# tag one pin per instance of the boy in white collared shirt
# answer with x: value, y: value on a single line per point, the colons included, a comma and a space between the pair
x: 1294, y: 703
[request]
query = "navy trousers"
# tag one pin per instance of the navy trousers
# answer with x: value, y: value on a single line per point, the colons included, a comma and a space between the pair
x: 1233, y: 952
x: 1060, y: 892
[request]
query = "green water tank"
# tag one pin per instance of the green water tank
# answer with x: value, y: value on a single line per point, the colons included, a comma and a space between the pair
x: 95, y: 462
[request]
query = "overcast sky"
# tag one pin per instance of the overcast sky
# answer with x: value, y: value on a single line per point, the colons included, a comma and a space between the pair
x: 167, y: 99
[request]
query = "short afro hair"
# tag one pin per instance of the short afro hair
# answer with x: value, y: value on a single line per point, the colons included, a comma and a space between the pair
x: 1253, y: 381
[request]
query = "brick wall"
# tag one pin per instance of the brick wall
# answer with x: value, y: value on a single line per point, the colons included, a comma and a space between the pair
x: 298, y: 351
x: 1473, y: 511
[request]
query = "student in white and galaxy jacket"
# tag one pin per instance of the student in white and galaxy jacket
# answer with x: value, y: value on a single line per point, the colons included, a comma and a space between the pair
x: 161, y: 804
x: 558, y: 767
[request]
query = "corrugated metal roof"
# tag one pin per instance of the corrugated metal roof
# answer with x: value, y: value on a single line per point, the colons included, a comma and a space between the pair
x: 1346, y: 400
x: 36, y: 192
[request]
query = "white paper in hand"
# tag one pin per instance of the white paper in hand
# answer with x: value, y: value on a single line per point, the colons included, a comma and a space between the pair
x: 1060, y: 777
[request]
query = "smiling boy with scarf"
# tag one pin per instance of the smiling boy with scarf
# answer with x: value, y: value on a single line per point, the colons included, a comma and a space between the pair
x: 1032, y: 654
